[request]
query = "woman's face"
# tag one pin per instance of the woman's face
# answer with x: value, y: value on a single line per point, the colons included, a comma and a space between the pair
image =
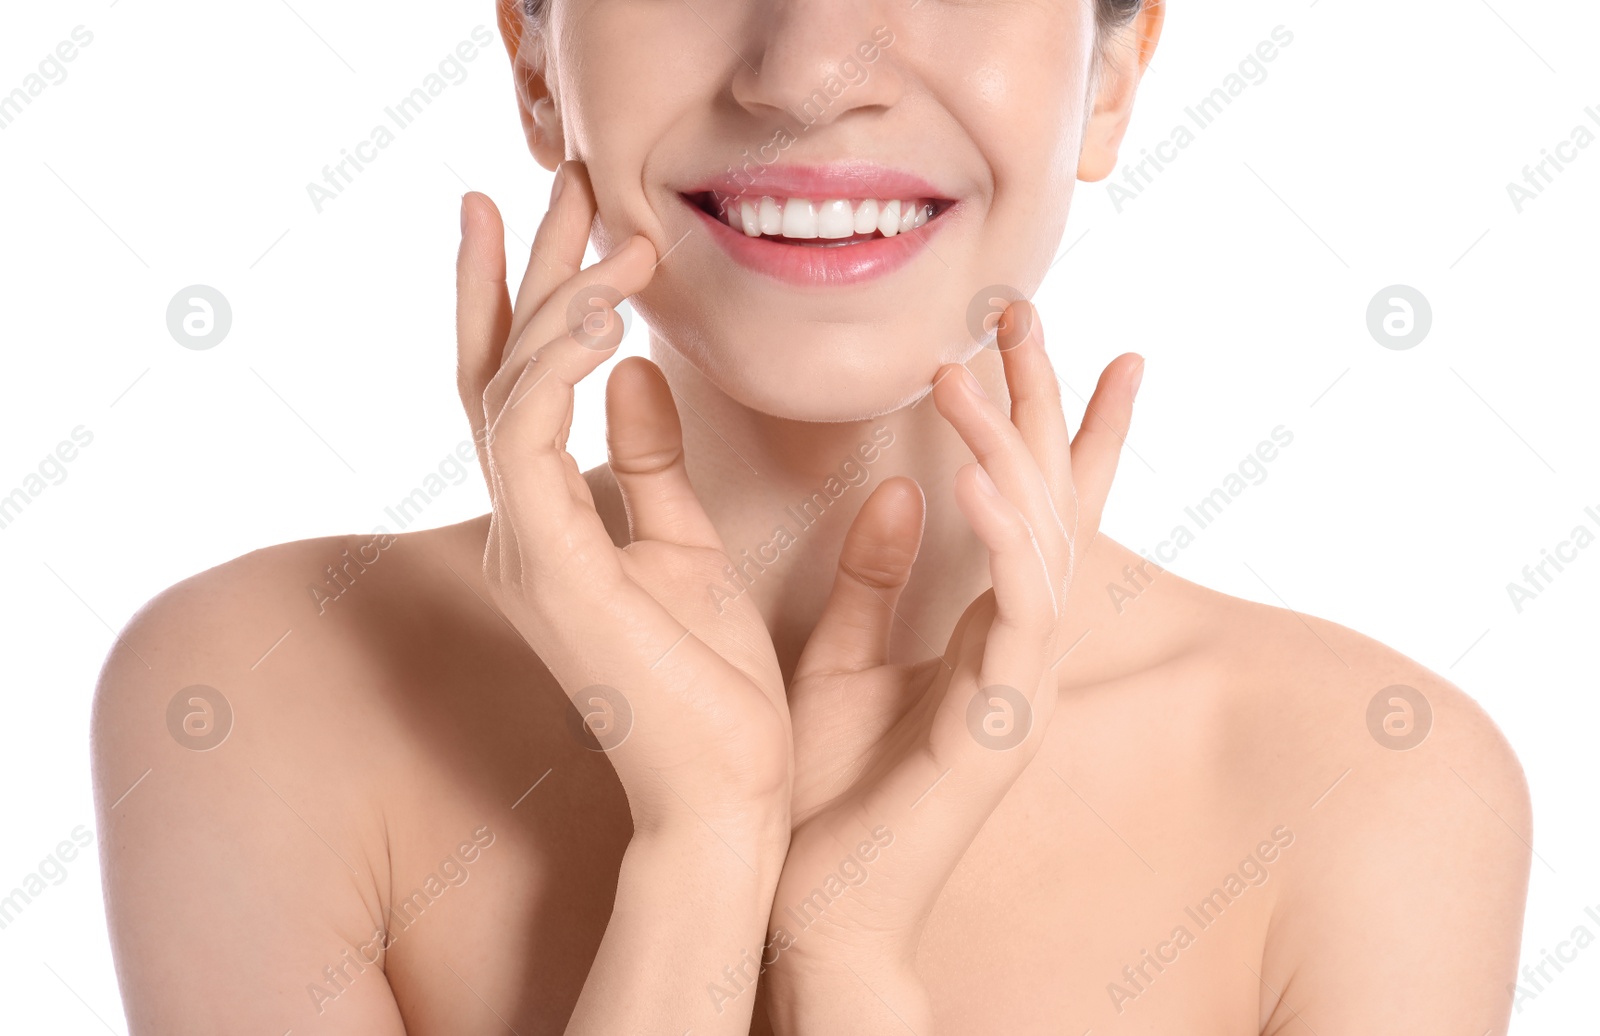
x: 915, y: 156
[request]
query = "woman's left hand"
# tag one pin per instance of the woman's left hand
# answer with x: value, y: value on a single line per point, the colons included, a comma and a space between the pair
x: 897, y: 767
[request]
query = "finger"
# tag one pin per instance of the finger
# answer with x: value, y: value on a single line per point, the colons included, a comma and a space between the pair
x: 622, y: 273
x: 483, y: 308
x: 558, y: 297
x: 1036, y: 402
x: 999, y: 447
x: 527, y: 441
x: 998, y: 651
x: 558, y: 246
x: 875, y: 563
x: 644, y: 444
x: 1098, y: 446
x: 1025, y: 602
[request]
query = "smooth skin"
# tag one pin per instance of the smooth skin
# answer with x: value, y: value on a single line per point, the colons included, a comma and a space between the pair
x: 1006, y: 886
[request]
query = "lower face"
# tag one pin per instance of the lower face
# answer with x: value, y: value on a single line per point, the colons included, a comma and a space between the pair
x: 843, y: 199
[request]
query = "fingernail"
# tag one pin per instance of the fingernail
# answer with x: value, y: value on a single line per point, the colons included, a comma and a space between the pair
x: 972, y: 384
x: 557, y: 183
x: 464, y: 212
x: 986, y: 484
x: 1138, y: 377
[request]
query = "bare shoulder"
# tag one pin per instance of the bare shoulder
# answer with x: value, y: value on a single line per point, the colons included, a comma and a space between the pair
x: 240, y: 728
x: 1321, y: 699
x: 314, y: 620
x: 226, y: 633
x: 1411, y: 818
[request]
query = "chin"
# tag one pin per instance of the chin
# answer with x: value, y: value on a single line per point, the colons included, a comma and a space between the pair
x: 812, y: 371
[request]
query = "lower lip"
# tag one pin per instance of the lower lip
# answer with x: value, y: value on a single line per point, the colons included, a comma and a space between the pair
x: 821, y: 266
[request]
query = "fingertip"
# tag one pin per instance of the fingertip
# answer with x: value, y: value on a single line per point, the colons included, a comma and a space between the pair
x: 482, y: 242
x: 885, y: 536
x: 643, y: 245
x: 944, y: 374
x: 1020, y: 328
x: 632, y: 374
x: 898, y: 506
x: 902, y: 488
x: 476, y: 207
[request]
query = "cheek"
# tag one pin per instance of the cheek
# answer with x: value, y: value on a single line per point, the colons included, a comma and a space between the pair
x: 989, y: 86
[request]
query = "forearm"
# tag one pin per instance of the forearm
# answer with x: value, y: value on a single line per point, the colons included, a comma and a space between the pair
x: 690, y: 910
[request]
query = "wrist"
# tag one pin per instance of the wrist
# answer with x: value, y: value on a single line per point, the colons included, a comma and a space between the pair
x: 845, y: 994
x: 732, y: 855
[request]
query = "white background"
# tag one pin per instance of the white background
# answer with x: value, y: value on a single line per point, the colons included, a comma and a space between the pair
x: 1376, y: 152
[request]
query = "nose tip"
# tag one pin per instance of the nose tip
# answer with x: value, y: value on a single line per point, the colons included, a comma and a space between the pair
x: 818, y: 62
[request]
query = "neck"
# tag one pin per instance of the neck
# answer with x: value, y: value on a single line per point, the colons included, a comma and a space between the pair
x: 782, y: 494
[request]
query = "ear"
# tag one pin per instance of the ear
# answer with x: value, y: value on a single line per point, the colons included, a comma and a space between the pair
x: 1126, y: 54
x: 541, y: 116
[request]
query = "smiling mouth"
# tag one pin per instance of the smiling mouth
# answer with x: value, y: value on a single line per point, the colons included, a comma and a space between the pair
x: 818, y: 222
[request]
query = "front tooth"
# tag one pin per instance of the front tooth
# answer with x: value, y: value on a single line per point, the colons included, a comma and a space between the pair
x: 770, y: 216
x: 799, y: 218
x: 867, y: 217
x: 922, y: 215
x: 889, y: 219
x: 834, y: 219
x: 749, y: 219
x: 908, y: 215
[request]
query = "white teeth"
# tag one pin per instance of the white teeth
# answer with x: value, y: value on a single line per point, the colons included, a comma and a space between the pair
x: 889, y: 219
x: 835, y: 219
x: 771, y: 216
x: 866, y: 220
x: 799, y: 218
x: 826, y: 219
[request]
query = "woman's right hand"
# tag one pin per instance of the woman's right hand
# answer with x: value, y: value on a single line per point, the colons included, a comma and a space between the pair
x: 695, y: 720
x: 688, y: 694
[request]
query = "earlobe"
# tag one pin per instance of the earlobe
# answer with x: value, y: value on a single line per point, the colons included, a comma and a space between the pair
x: 541, y: 123
x: 1102, y: 138
x: 1127, y: 56
x: 540, y: 114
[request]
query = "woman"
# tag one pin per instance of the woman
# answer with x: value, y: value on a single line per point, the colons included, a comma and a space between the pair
x: 792, y: 718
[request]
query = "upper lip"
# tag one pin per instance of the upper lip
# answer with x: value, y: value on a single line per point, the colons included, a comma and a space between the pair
x: 853, y: 179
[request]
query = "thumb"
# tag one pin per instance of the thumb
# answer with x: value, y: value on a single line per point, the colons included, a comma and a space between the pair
x: 644, y: 441
x: 874, y: 566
